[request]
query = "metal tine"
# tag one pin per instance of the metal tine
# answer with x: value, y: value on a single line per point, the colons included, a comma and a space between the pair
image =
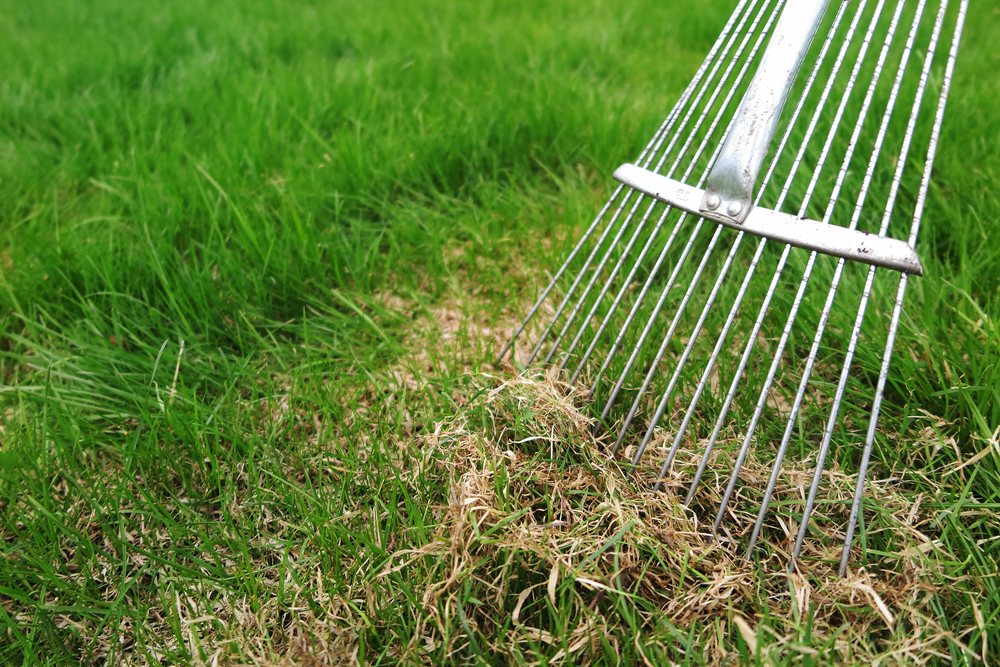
x: 597, y: 272
x: 866, y: 293
x: 596, y: 275
x: 762, y: 400
x: 650, y: 151
x: 649, y: 376
x: 559, y: 274
x: 765, y: 305
x: 828, y: 306
x: 652, y: 275
x: 635, y: 207
x: 821, y: 58
x: 662, y: 132
x: 552, y: 283
x: 903, y: 279
x: 625, y: 254
x: 582, y: 299
x: 638, y: 262
x: 565, y: 266
x: 667, y: 126
x: 685, y: 253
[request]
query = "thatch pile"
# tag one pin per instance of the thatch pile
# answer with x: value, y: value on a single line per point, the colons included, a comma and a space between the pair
x: 547, y: 547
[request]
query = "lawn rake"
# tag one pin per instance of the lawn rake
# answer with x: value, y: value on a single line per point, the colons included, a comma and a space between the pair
x: 850, y: 117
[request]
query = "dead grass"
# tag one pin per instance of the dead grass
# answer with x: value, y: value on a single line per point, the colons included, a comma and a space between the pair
x: 532, y: 491
x: 548, y: 550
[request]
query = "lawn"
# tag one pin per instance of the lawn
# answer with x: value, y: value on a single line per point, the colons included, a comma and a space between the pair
x: 256, y: 262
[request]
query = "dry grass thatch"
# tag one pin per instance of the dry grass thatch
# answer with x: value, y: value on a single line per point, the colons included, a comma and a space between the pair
x: 564, y: 556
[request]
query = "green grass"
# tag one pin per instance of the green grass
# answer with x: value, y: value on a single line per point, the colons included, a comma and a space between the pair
x: 248, y: 180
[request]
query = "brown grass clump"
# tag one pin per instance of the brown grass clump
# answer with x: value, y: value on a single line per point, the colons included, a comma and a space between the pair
x: 547, y: 550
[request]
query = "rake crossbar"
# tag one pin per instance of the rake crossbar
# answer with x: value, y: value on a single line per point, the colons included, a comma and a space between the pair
x: 786, y: 228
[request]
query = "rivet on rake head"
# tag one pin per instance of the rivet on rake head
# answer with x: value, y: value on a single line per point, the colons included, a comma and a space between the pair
x: 734, y: 209
x: 713, y: 202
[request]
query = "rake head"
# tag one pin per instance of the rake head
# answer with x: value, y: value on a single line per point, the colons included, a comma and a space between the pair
x: 712, y: 307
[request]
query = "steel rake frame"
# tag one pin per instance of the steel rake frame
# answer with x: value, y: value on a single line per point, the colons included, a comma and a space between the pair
x: 718, y: 73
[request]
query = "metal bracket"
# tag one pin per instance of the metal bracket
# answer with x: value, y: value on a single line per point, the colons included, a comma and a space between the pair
x: 800, y: 232
x: 728, y: 194
x: 729, y: 190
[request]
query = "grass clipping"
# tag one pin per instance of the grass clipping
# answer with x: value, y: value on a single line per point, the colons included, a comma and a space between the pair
x: 547, y: 551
